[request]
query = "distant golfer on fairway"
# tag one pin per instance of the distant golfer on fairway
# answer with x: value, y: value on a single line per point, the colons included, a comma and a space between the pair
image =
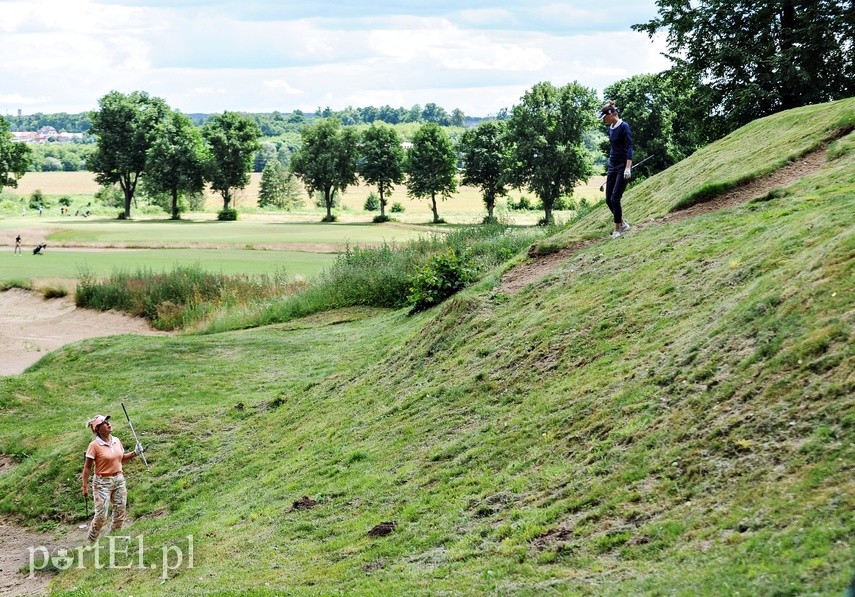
x: 18, y: 245
x: 620, y: 163
x: 108, y: 486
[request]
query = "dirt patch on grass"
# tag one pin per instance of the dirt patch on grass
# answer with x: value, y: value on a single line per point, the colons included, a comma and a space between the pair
x: 552, y: 537
x: 383, y: 529
x: 6, y: 464
x: 31, y: 327
x: 521, y: 276
x: 517, y: 278
x: 304, y: 503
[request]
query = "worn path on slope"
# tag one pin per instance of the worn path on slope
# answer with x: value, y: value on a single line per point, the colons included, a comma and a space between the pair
x: 539, y: 266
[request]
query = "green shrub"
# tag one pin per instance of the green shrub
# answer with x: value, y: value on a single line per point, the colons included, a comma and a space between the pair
x: 561, y: 203
x: 522, y: 205
x: 163, y: 203
x: 372, y: 202
x: 9, y: 204
x: 196, y: 202
x: 110, y: 196
x: 383, y: 218
x: 321, y: 202
x: 397, y: 208
x: 37, y: 199
x: 330, y: 218
x: 227, y: 215
x: 442, y: 276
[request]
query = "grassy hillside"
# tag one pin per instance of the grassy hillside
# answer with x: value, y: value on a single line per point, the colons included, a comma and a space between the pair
x: 670, y: 413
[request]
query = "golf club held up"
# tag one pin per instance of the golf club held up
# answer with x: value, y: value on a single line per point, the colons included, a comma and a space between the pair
x: 136, y: 439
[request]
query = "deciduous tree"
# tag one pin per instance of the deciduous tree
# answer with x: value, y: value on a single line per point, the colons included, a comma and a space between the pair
x: 176, y: 160
x: 757, y: 58
x: 232, y: 141
x: 382, y: 160
x: 656, y: 108
x: 327, y: 159
x: 431, y: 166
x: 483, y: 151
x: 546, y: 135
x: 125, y: 128
x: 14, y: 157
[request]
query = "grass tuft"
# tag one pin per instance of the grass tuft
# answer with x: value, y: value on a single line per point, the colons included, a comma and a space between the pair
x: 9, y: 284
x: 54, y: 291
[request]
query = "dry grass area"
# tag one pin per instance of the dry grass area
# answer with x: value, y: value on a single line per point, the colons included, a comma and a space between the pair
x: 466, y: 200
x: 56, y: 183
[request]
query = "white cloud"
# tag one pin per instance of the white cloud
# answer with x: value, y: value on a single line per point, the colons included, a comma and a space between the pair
x: 208, y: 90
x: 282, y: 86
x: 16, y: 99
x: 439, y: 42
x: 63, y: 55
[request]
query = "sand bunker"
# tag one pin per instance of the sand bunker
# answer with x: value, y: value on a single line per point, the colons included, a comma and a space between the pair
x: 31, y: 327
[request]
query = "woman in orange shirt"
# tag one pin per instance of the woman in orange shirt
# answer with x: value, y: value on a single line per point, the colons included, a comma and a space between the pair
x: 107, y: 455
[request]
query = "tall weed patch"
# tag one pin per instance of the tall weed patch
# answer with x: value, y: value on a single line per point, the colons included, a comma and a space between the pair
x: 384, y: 276
x: 176, y: 299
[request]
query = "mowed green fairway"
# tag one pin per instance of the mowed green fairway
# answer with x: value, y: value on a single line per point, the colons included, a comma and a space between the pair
x: 69, y: 263
x: 183, y: 232
x: 100, y: 246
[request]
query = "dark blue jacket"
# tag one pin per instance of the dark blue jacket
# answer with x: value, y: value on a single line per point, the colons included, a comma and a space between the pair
x: 620, y: 145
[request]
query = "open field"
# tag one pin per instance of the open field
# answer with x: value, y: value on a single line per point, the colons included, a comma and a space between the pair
x: 466, y: 204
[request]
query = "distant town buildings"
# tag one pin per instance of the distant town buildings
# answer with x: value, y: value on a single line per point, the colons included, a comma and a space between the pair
x: 46, y: 134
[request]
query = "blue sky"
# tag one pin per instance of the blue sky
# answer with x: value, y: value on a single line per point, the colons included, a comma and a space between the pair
x: 260, y: 56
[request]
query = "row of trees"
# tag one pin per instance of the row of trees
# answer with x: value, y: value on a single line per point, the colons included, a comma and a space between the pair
x: 332, y: 157
x: 60, y: 157
x: 541, y: 146
x: 430, y: 114
x: 140, y: 139
x: 272, y: 124
x: 61, y: 121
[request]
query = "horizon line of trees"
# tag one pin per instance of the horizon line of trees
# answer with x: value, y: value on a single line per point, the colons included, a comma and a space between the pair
x: 272, y: 124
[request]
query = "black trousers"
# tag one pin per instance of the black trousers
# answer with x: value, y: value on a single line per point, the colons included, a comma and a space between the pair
x: 615, y: 186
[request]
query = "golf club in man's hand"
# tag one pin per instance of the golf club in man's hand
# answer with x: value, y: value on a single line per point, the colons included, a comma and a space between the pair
x: 603, y: 186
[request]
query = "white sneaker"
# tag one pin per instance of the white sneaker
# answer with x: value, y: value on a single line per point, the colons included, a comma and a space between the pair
x: 625, y: 226
x: 615, y: 234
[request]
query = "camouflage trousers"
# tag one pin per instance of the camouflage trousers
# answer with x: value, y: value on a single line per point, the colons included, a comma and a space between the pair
x: 108, y: 491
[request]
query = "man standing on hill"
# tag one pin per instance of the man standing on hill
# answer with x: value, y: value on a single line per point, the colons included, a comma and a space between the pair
x: 620, y: 163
